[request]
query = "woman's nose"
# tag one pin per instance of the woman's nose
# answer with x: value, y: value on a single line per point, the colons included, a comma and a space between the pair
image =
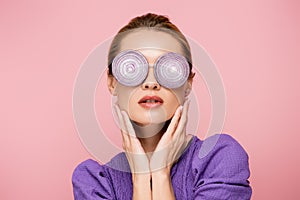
x: 150, y: 82
x: 150, y: 85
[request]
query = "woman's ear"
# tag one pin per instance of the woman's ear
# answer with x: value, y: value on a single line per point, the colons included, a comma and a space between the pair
x: 111, y: 84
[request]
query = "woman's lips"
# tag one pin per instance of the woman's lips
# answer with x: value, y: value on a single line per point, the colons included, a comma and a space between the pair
x: 150, y: 101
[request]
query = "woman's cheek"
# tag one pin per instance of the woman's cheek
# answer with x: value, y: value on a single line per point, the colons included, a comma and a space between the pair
x: 133, y: 111
x: 124, y: 96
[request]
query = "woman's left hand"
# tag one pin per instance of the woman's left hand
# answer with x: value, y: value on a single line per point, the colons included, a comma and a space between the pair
x: 173, y: 142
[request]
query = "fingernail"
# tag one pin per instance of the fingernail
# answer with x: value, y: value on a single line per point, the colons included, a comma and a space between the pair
x: 123, y: 113
x: 188, y: 106
x: 115, y: 106
x: 181, y: 108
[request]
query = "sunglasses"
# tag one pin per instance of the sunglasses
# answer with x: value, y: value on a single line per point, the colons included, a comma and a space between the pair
x: 130, y: 68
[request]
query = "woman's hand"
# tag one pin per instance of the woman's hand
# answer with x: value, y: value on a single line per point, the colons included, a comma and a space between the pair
x: 136, y: 156
x: 134, y: 151
x: 172, y: 143
x: 167, y: 152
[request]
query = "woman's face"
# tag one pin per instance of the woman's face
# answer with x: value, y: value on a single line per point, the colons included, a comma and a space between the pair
x: 149, y: 102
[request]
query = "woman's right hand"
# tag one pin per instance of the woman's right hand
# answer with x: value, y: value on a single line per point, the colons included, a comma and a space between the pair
x: 136, y: 156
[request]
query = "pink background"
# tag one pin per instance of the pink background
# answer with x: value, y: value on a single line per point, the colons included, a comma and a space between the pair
x: 255, y: 45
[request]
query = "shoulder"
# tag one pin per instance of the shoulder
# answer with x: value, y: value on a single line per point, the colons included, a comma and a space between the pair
x: 220, y: 151
x: 92, y: 167
x: 90, y: 180
x: 89, y: 163
x: 88, y: 172
x: 88, y: 166
x: 219, y: 144
x: 220, y: 162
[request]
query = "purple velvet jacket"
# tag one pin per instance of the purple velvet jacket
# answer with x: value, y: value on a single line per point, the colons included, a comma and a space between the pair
x: 220, y: 173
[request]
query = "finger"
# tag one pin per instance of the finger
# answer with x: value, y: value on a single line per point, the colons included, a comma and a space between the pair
x: 120, y: 117
x: 125, y: 137
x: 183, y: 119
x: 173, y: 124
x: 128, y: 124
x: 184, y: 116
x: 136, y: 146
x: 134, y: 141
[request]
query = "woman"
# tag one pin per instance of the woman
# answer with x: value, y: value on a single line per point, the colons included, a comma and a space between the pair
x: 150, y: 73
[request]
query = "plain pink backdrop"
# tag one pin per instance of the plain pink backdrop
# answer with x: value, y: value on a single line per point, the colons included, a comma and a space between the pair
x: 255, y: 45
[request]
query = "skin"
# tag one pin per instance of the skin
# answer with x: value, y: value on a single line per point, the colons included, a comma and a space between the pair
x: 151, y: 145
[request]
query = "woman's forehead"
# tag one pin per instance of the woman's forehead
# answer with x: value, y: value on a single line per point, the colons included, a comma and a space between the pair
x: 150, y: 39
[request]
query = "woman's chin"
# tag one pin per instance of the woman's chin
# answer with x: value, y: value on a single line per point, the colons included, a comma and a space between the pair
x: 150, y: 117
x: 144, y: 123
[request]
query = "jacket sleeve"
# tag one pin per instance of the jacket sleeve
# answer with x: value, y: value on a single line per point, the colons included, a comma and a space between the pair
x: 90, y: 182
x: 223, y: 172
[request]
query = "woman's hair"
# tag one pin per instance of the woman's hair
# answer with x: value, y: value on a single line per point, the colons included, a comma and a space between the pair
x: 152, y: 22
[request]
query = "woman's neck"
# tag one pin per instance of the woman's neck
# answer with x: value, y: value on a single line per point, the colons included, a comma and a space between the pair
x: 149, y: 135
